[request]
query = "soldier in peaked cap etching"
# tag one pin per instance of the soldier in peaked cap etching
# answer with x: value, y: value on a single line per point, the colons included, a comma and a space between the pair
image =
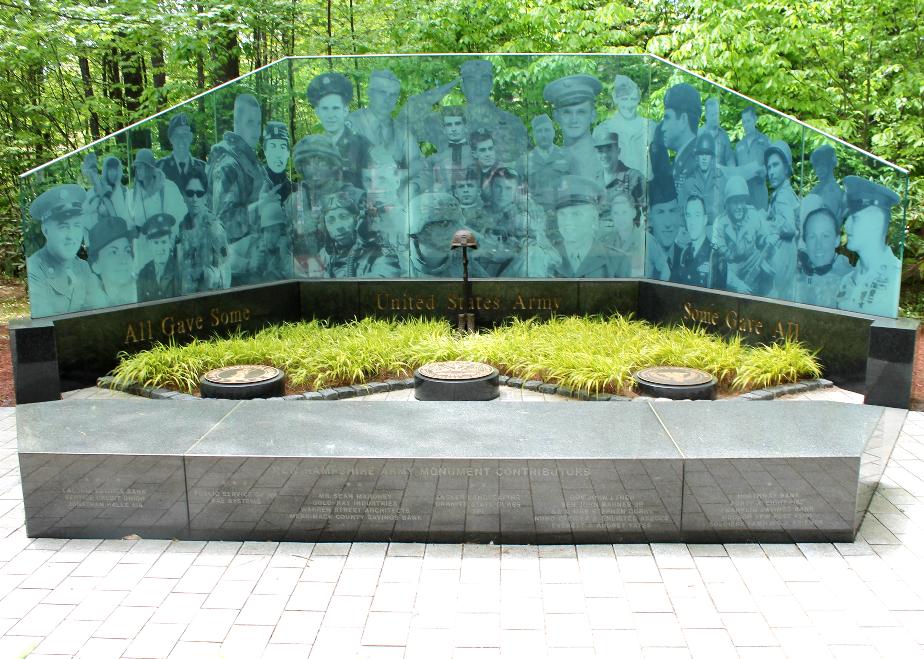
x: 573, y: 99
x: 824, y: 160
x: 617, y: 177
x: 665, y: 217
x: 481, y: 113
x: 59, y: 282
x: 820, y: 268
x: 180, y: 164
x: 330, y: 95
x: 276, y: 153
x: 236, y: 177
x: 635, y: 132
x: 873, y: 285
x: 159, y: 278
x: 780, y: 230
x: 112, y: 261
x: 546, y: 163
x: 577, y: 221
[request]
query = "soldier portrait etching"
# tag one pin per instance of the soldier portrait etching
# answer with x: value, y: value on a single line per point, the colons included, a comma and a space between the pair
x: 350, y: 188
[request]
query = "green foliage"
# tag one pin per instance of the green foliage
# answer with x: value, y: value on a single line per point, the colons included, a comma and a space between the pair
x: 586, y: 354
x: 774, y: 363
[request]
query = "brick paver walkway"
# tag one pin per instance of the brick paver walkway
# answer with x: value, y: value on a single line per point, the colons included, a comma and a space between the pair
x: 158, y: 598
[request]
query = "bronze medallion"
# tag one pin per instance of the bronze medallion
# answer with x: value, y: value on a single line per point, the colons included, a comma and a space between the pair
x: 455, y: 370
x: 242, y: 374
x: 677, y: 376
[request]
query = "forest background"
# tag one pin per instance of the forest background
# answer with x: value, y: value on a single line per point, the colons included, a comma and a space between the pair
x: 71, y: 73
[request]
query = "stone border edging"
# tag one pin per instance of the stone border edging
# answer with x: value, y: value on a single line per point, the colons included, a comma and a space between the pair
x: 356, y: 390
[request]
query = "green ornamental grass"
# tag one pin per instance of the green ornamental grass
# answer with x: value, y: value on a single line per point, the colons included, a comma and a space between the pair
x: 592, y: 354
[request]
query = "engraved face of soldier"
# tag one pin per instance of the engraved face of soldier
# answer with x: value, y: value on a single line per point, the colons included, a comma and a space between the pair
x: 543, y: 134
x: 608, y: 154
x: 383, y: 96
x: 332, y: 112
x: 194, y: 192
x: 866, y: 228
x: 381, y: 178
x: 694, y: 214
x: 437, y: 235
x: 575, y: 120
x: 477, y: 83
x: 736, y: 207
x: 704, y: 162
x: 712, y: 112
x: 777, y: 171
x: 627, y: 103
x: 821, y: 238
x: 665, y: 222
x: 577, y: 223
x: 455, y: 128
x: 749, y: 120
x: 112, y: 171
x: 824, y: 167
x: 144, y: 174
x: 115, y: 262
x: 318, y: 170
x: 63, y: 237
x: 673, y: 128
x: 181, y: 139
x: 341, y: 226
x: 276, y: 153
x: 466, y: 191
x: 622, y: 213
x: 160, y: 249
x: 503, y: 193
x: 485, y: 154
x: 247, y: 123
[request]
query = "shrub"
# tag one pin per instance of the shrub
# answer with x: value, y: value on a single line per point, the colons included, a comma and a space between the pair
x: 591, y: 354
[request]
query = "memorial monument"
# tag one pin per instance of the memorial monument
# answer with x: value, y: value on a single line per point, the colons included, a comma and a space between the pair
x: 636, y: 198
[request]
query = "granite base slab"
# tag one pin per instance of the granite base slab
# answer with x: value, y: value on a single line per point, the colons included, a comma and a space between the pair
x: 708, y: 471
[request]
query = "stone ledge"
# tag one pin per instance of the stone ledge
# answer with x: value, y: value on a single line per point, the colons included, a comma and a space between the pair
x: 369, y: 388
x: 244, y: 470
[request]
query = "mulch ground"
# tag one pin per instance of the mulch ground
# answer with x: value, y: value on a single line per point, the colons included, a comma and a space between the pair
x: 7, y: 398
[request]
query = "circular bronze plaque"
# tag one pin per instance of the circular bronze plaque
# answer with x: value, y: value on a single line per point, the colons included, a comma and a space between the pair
x: 677, y: 376
x: 455, y: 370
x: 243, y: 374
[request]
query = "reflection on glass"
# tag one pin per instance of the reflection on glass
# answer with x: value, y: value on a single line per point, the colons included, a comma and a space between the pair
x: 366, y: 167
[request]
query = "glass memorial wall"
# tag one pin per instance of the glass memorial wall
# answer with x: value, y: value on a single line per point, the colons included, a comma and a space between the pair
x: 562, y: 166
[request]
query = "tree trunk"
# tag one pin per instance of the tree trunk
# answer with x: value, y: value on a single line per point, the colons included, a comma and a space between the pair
x: 225, y: 52
x: 159, y: 73
x: 84, y: 64
x: 330, y: 28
